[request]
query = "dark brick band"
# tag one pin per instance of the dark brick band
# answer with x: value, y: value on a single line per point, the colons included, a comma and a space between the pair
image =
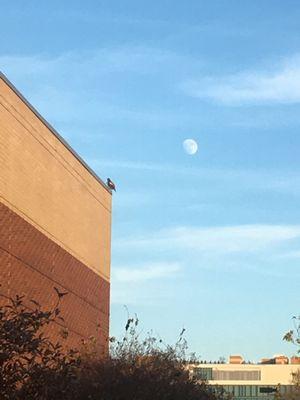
x: 32, y: 265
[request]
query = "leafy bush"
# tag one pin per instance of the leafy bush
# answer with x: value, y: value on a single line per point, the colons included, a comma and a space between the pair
x: 32, y: 367
x: 143, y: 369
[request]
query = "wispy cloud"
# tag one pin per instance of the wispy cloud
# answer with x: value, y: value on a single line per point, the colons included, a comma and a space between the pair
x: 274, y: 85
x: 228, y: 239
x: 136, y: 59
x: 96, y: 86
x: 145, y: 272
x: 273, y: 180
x: 143, y: 283
x: 263, y: 250
x: 135, y: 165
x: 294, y: 254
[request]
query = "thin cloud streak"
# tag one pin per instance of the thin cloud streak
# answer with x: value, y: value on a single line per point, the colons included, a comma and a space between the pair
x: 295, y: 254
x: 222, y: 240
x: 113, y: 59
x: 145, y: 272
x: 59, y: 90
x: 279, y: 85
x: 266, y: 180
x: 248, y: 248
x: 129, y: 165
x: 143, y: 284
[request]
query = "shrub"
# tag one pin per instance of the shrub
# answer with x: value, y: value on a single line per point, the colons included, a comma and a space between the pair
x: 34, y: 368
x: 143, y: 369
x: 31, y: 366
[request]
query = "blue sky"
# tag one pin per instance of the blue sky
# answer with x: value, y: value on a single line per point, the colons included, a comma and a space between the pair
x: 210, y: 242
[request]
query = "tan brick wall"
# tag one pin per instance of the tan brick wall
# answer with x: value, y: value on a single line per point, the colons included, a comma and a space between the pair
x: 42, y: 181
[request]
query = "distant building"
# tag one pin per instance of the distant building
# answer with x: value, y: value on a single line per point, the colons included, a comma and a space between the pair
x: 295, y: 360
x: 237, y: 359
x: 55, y: 223
x: 247, y: 381
x: 277, y: 359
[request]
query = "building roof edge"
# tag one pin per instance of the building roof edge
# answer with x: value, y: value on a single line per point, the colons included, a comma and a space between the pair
x: 54, y: 131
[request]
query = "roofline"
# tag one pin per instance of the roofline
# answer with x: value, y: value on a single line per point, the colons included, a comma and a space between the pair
x: 54, y: 131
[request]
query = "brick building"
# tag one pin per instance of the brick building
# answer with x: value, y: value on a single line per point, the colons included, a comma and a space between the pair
x: 55, y: 222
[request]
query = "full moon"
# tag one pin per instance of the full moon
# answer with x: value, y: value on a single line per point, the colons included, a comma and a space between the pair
x: 190, y: 146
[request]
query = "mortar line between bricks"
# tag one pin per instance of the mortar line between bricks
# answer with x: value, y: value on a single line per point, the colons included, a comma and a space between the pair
x: 52, y: 280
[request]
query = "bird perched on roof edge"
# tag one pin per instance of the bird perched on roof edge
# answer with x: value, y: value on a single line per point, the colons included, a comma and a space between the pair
x: 110, y: 184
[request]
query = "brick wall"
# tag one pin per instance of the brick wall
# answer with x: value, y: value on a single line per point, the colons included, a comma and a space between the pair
x: 31, y: 264
x: 44, y: 182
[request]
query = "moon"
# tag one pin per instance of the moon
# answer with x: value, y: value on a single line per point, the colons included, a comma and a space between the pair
x: 190, y: 146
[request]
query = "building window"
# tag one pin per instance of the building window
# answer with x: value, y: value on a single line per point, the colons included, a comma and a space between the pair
x: 204, y: 374
x: 223, y: 375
